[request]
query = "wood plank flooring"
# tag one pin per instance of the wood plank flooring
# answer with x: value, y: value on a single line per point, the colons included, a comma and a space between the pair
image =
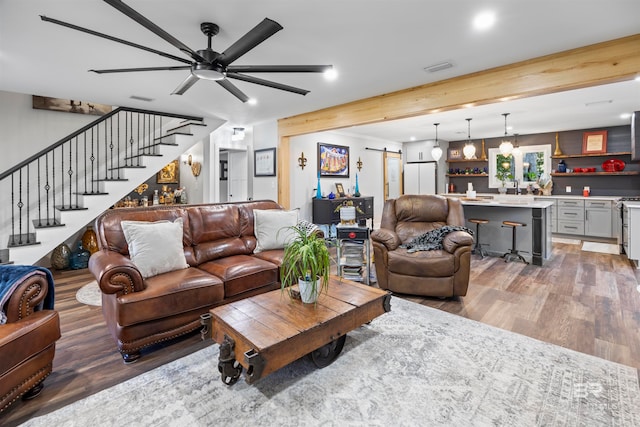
x: 580, y: 300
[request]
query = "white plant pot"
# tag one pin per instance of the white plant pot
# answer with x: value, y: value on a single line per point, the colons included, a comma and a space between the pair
x: 348, y: 215
x: 309, y: 290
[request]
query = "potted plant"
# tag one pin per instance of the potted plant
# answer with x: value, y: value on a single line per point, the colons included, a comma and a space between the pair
x: 503, y: 172
x: 306, y: 261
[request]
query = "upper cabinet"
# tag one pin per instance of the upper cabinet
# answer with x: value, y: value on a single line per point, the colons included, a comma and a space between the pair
x: 419, y: 151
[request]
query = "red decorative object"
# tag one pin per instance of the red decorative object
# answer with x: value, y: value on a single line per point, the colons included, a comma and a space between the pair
x: 613, y: 165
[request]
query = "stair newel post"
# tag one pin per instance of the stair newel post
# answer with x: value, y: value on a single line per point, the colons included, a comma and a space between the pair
x: 20, y: 205
x: 77, y: 170
x: 13, y: 213
x: 70, y: 172
x: 92, y: 159
x: 111, y: 147
x: 47, y: 187
x: 86, y: 171
x: 39, y: 197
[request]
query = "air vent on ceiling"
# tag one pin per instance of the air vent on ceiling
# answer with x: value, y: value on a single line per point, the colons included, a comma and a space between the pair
x: 438, y: 67
x: 141, y: 98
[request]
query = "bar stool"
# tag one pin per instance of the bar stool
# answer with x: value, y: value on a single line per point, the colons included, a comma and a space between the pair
x: 514, y: 252
x: 479, y: 246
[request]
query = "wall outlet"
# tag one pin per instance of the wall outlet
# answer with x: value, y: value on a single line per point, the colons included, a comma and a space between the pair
x: 567, y: 189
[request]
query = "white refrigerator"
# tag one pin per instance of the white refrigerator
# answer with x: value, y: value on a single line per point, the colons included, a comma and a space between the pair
x: 420, y: 178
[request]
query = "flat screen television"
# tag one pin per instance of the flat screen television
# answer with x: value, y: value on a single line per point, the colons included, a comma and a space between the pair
x: 635, y: 136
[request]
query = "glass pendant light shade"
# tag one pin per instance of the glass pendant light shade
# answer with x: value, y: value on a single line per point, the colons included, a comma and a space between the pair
x: 436, y: 151
x: 469, y: 149
x: 516, y: 152
x: 506, y: 147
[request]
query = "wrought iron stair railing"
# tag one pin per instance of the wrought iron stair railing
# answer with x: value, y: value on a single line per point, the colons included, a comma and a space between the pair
x: 57, y: 177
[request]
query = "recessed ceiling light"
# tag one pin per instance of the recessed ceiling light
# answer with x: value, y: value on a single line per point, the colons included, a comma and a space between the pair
x: 484, y: 20
x: 625, y: 116
x: 637, y: 79
x: 252, y: 101
x: 331, y: 74
x: 413, y: 138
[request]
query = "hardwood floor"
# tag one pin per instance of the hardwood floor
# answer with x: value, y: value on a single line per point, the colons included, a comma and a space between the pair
x: 580, y: 300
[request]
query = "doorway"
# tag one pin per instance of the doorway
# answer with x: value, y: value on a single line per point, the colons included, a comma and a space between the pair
x: 392, y: 175
x: 233, y: 185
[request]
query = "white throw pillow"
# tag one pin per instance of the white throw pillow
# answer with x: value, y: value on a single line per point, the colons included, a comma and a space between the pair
x: 271, y: 228
x: 155, y: 247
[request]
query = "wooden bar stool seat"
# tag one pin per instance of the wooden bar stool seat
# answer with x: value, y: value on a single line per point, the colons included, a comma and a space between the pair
x: 478, y: 247
x: 513, y: 253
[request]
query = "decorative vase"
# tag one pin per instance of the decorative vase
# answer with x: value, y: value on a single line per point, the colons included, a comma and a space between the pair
x: 356, y: 191
x: 79, y: 258
x: 309, y: 290
x: 60, y: 257
x: 318, y: 191
x: 502, y: 190
x: 90, y: 240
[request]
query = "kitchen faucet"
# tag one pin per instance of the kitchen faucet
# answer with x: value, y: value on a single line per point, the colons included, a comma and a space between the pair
x: 516, y: 186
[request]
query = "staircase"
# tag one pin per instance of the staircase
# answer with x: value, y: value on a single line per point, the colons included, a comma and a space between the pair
x: 53, y: 194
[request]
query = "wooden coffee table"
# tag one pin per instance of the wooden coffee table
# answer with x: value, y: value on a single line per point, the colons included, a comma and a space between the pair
x: 265, y: 332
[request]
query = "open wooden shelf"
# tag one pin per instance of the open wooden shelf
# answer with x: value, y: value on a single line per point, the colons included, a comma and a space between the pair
x: 573, y: 174
x: 467, y: 175
x: 575, y: 156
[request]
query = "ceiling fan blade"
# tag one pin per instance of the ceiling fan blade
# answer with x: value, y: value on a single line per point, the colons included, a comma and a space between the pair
x: 279, y: 68
x: 185, y: 85
x: 130, y: 70
x: 268, y: 83
x: 115, y: 39
x: 140, y: 19
x: 253, y: 38
x: 233, y: 89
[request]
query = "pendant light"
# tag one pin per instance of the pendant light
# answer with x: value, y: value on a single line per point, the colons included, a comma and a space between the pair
x: 469, y: 149
x: 506, y: 147
x: 517, y: 152
x: 436, y: 151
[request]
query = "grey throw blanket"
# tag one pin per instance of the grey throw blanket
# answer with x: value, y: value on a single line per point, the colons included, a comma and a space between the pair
x: 432, y: 240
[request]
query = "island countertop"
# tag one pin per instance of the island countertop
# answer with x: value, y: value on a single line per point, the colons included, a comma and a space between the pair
x: 504, y: 201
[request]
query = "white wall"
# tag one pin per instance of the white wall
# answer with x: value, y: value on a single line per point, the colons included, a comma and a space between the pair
x: 193, y: 185
x: 265, y: 135
x: 26, y: 131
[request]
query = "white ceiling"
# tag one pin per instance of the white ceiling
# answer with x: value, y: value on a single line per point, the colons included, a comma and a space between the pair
x: 377, y: 46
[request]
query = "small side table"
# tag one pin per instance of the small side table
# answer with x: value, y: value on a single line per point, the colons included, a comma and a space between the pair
x: 349, y: 250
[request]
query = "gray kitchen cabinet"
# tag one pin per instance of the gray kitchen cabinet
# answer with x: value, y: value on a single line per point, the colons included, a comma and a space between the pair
x: 598, y: 218
x: 554, y: 212
x: 571, y: 216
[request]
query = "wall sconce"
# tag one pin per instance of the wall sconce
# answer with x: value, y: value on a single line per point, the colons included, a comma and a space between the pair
x: 196, y: 168
x: 359, y: 163
x: 189, y: 160
x: 238, y: 134
x: 302, y: 161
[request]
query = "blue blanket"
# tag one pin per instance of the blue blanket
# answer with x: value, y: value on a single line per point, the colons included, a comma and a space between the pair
x: 11, y: 276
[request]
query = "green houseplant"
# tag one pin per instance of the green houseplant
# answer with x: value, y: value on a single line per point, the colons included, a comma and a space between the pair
x: 306, y: 261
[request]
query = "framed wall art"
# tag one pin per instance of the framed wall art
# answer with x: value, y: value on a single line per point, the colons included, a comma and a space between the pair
x: 264, y: 162
x: 170, y: 174
x: 454, y: 154
x: 333, y: 160
x: 594, y: 142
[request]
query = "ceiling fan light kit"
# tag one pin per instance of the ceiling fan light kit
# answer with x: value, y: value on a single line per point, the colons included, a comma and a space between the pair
x: 207, y: 64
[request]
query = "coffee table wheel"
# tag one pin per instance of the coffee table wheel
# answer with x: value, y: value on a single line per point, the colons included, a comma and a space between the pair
x: 326, y: 354
x: 230, y: 371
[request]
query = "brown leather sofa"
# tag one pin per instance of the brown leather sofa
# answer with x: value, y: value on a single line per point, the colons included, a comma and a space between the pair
x: 438, y: 273
x: 218, y: 245
x: 27, y: 341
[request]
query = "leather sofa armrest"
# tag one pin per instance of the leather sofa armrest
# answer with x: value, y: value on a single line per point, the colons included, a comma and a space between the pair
x: 387, y: 237
x: 25, y: 299
x: 456, y: 239
x: 115, y: 272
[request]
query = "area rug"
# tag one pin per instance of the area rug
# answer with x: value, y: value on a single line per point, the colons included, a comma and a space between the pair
x: 412, y: 366
x: 90, y: 294
x: 603, y: 248
x: 566, y: 241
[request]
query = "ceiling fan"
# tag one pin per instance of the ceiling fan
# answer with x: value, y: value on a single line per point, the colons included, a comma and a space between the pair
x: 206, y: 63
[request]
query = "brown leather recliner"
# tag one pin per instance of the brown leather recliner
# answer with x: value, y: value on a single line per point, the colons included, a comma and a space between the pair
x: 438, y: 273
x: 27, y: 340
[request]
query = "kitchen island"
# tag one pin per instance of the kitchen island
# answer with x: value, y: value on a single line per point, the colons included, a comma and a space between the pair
x: 533, y: 240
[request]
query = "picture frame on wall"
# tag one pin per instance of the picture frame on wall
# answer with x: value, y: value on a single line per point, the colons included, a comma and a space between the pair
x: 333, y: 160
x: 170, y: 174
x: 454, y: 154
x: 264, y: 162
x: 594, y: 142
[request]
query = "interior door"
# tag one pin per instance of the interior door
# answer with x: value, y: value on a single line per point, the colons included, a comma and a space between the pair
x: 392, y: 175
x: 237, y: 176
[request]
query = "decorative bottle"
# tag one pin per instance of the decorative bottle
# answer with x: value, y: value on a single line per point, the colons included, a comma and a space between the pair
x: 356, y: 191
x: 156, y: 198
x: 318, y: 191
